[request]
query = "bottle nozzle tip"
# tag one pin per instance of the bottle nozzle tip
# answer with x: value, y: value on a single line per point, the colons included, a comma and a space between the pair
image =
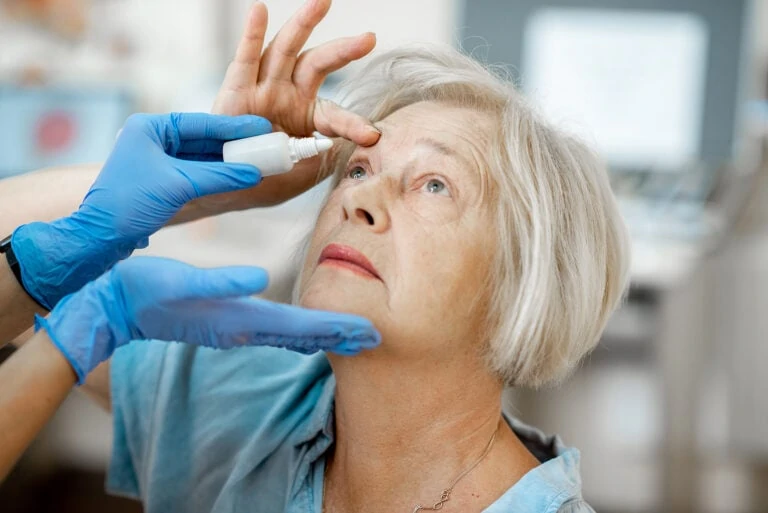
x: 324, y: 144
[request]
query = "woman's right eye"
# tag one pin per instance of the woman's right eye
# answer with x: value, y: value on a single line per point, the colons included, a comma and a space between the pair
x: 357, y: 173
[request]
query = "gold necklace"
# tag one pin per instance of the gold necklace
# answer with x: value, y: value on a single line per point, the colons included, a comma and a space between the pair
x: 445, y: 496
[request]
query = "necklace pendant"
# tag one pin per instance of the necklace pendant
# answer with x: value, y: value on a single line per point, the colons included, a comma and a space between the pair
x: 417, y: 508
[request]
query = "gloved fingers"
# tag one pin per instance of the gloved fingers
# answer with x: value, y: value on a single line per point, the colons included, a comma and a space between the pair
x: 305, y: 330
x: 224, y: 282
x: 192, y: 126
x: 201, y: 149
x: 332, y: 120
x: 281, y: 54
x: 216, y: 177
x: 316, y: 63
x: 243, y: 321
x: 200, y: 157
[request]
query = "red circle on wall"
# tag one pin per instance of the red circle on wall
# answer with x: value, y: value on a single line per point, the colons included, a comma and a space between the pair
x: 55, y: 132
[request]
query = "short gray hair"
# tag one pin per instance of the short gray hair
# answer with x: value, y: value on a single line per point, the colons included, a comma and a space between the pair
x: 562, y: 263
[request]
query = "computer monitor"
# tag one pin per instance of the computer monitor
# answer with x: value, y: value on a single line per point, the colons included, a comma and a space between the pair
x: 655, y: 84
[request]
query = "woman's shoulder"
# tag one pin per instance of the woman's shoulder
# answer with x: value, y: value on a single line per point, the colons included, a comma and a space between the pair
x: 576, y: 506
x: 256, y: 382
x: 543, y: 446
x: 205, y: 371
x: 218, y: 408
x: 554, y: 486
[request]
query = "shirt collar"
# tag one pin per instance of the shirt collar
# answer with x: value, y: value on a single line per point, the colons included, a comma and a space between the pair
x: 544, y: 488
x: 320, y: 421
x: 547, y: 486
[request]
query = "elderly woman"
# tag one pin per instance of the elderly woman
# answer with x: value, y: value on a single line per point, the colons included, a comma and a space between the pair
x: 487, y: 249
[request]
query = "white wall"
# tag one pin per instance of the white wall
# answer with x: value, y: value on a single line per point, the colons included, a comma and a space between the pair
x: 394, y: 21
x: 177, y: 53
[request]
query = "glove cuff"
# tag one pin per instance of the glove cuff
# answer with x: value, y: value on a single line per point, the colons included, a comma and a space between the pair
x: 88, y: 326
x: 42, y: 323
x: 59, y: 258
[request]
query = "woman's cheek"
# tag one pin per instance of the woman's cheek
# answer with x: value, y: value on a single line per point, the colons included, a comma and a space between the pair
x: 330, y: 215
x: 432, y: 210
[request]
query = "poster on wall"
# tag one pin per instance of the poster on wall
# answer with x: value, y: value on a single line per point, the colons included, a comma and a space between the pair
x: 50, y: 126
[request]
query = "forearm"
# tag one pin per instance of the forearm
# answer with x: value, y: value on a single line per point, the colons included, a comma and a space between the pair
x: 35, y: 380
x: 17, y: 309
x: 39, y: 196
x: 43, y: 195
x: 56, y: 192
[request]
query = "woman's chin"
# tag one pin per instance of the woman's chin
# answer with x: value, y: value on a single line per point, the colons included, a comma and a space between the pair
x: 347, y: 299
x: 339, y: 290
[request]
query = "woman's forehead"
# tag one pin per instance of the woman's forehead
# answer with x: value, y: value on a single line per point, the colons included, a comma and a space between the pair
x: 444, y: 124
x: 429, y: 129
x: 452, y: 134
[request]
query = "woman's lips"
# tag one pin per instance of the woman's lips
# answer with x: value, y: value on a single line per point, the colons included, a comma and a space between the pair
x: 348, y: 258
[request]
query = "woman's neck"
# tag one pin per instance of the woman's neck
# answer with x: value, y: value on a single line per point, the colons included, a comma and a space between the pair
x: 404, y: 432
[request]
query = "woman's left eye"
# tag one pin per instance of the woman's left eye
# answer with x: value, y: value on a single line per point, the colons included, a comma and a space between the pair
x: 357, y: 173
x: 435, y: 186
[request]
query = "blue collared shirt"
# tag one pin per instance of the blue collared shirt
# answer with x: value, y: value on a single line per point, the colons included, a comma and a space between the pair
x: 247, y: 430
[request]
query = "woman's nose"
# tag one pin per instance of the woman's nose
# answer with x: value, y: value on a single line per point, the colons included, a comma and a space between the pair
x: 364, y: 205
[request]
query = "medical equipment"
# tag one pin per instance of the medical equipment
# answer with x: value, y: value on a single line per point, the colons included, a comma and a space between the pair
x: 274, y: 153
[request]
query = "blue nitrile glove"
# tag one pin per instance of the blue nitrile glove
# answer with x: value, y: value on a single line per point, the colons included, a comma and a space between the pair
x: 158, y: 298
x: 159, y: 163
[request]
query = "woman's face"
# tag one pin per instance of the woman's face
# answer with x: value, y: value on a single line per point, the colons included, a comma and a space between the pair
x: 405, y: 238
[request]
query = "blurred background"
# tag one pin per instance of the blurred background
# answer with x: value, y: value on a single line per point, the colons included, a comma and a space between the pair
x: 670, y: 411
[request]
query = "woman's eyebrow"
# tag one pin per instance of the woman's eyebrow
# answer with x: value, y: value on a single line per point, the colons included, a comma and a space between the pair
x: 443, y: 149
x: 436, y: 145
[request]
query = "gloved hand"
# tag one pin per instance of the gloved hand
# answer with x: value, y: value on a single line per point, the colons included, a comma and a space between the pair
x: 159, y: 163
x: 158, y: 298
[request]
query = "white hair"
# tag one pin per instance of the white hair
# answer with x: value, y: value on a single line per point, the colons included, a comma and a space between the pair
x: 562, y: 261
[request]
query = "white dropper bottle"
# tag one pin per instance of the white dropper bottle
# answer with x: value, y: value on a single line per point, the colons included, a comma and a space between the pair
x: 274, y: 153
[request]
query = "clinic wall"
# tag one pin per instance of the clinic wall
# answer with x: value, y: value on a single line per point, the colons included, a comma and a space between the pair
x: 394, y: 21
x: 175, y: 53
x: 205, y: 50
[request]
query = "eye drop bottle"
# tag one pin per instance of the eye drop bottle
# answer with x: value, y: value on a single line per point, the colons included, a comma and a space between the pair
x: 274, y: 153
